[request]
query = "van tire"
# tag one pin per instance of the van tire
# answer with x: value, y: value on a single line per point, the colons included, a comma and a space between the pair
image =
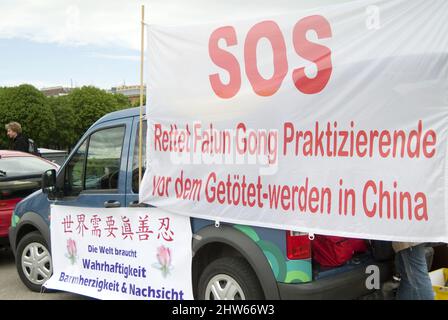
x: 33, y: 248
x: 229, y: 271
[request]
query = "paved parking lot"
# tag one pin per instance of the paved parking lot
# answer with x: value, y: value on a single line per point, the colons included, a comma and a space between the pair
x: 12, y: 288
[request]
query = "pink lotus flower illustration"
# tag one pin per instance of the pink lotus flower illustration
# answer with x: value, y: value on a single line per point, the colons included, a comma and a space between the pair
x: 72, y: 253
x: 164, y: 260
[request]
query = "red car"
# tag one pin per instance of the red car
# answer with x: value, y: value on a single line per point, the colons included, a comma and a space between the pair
x: 20, y: 175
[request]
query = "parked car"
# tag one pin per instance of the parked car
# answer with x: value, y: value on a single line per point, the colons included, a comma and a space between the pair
x: 20, y: 175
x: 259, y: 263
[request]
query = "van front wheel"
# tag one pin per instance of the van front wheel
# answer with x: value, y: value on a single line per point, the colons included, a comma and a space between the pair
x: 33, y: 261
x: 229, y: 279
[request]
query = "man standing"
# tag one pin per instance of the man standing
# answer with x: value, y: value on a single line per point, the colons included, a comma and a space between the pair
x: 14, y: 132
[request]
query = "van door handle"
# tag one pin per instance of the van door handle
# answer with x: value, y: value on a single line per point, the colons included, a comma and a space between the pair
x: 112, y: 204
x: 135, y: 204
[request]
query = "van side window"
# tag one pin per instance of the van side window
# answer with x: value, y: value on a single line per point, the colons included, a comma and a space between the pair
x: 103, y: 159
x: 135, y: 186
x: 96, y: 163
x: 73, y: 182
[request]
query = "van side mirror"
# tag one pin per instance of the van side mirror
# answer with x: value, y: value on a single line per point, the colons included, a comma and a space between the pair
x: 49, y: 182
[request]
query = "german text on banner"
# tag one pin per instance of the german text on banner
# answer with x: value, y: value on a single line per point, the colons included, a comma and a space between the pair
x: 132, y: 253
x: 330, y: 120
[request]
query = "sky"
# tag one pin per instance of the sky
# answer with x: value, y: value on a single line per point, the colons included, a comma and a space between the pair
x: 97, y: 42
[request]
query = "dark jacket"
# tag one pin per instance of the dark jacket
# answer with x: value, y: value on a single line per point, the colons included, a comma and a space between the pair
x: 20, y: 143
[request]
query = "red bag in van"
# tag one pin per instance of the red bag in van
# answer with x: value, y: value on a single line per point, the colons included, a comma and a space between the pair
x: 331, y: 251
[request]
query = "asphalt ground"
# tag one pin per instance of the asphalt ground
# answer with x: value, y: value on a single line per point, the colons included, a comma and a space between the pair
x: 12, y: 288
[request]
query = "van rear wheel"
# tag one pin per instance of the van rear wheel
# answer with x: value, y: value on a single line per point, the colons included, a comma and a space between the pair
x: 229, y: 279
x: 33, y: 261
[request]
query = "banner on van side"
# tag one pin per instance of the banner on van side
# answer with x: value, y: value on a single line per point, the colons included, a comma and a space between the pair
x: 331, y: 120
x: 121, y: 253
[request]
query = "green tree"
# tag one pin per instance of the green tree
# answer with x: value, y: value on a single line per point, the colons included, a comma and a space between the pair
x: 3, y: 137
x: 28, y: 106
x: 64, y: 128
x: 55, y: 122
x: 90, y: 104
x: 137, y: 103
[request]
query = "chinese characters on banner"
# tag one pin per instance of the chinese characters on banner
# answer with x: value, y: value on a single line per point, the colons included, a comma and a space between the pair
x: 123, y: 253
x: 331, y: 120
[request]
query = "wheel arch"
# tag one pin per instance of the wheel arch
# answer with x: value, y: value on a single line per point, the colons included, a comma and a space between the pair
x: 210, y: 243
x: 30, y: 222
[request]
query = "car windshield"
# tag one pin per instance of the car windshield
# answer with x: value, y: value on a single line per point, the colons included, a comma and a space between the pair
x: 23, y: 166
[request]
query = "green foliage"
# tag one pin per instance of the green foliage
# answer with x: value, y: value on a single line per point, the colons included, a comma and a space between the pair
x: 64, y: 128
x: 55, y: 122
x: 28, y: 106
x: 137, y: 103
x: 90, y: 104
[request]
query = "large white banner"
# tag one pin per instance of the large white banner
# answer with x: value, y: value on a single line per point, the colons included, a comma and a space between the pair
x: 331, y: 120
x: 121, y: 253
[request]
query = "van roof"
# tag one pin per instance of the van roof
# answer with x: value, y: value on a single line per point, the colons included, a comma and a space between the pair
x: 125, y: 113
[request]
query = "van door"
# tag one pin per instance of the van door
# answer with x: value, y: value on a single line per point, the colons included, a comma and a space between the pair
x: 132, y: 186
x: 95, y: 176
